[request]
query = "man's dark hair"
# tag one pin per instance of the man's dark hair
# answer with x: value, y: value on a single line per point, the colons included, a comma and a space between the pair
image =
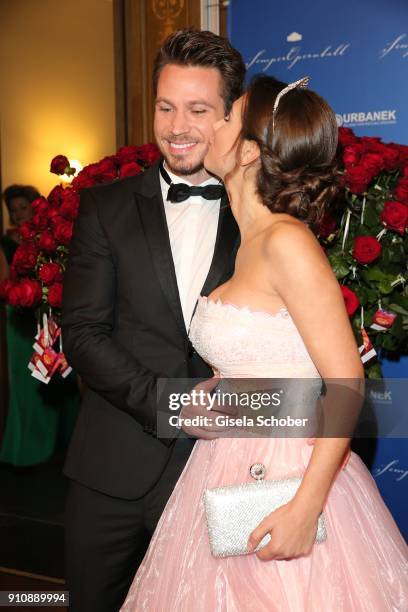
x: 20, y: 191
x: 192, y: 47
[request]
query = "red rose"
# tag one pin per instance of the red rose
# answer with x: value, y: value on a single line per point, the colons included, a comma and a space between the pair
x: 401, y: 190
x: 126, y: 155
x: 70, y: 204
x: 52, y: 214
x: 405, y: 172
x: 357, y: 179
x: 148, y: 153
x: 346, y: 136
x: 25, y: 257
x: 40, y: 220
x: 26, y: 293
x: 352, y: 154
x: 366, y: 249
x: 403, y: 155
x: 55, y: 295
x: 107, y: 170
x: 83, y: 180
x: 327, y: 226
x: 63, y: 232
x: 13, y: 274
x: 47, y: 242
x: 370, y: 143
x: 350, y: 299
x: 390, y: 157
x: 129, y: 169
x: 55, y: 196
x: 372, y: 163
x: 27, y: 231
x: 39, y: 206
x: 50, y: 273
x: 30, y: 293
x: 395, y: 216
x: 13, y: 295
x: 104, y: 171
x: 59, y: 164
x: 56, y: 220
x: 389, y: 153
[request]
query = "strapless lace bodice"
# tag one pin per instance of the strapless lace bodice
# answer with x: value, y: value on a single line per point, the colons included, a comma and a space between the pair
x: 240, y: 342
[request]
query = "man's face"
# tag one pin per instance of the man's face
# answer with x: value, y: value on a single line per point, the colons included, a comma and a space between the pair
x: 188, y: 104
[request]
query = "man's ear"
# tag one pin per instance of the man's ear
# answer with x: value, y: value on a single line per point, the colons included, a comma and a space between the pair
x: 250, y: 152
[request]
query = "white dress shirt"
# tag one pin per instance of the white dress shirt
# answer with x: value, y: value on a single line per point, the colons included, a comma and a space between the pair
x: 193, y: 229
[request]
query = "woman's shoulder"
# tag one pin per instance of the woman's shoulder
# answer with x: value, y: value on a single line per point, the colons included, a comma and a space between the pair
x: 289, y: 236
x: 294, y: 255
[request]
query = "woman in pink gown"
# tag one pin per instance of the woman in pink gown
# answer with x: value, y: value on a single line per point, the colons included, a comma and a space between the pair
x: 280, y: 316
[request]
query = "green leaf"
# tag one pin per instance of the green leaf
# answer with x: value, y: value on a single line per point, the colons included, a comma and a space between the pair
x: 385, y: 287
x: 393, y: 253
x: 400, y: 300
x: 398, y: 309
x: 375, y: 273
x: 389, y: 342
x: 339, y: 265
x: 396, y: 329
x: 373, y: 370
x: 371, y: 218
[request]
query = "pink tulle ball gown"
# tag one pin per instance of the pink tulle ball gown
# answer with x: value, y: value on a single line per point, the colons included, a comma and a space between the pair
x: 362, y: 565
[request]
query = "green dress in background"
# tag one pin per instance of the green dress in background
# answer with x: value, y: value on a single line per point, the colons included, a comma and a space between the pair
x: 40, y: 417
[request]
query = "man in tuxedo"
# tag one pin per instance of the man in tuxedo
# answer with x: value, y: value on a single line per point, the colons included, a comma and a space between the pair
x: 143, y: 250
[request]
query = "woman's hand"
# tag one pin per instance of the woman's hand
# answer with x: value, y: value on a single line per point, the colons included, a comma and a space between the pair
x: 293, y: 532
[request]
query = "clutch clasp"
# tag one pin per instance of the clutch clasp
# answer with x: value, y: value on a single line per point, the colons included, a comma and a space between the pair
x: 257, y: 471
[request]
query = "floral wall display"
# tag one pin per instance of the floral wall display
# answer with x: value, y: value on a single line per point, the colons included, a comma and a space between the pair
x: 366, y: 240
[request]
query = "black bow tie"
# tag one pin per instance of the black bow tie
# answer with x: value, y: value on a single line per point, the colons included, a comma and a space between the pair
x: 178, y: 192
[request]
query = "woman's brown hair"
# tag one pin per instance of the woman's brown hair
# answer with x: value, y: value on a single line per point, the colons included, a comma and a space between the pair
x: 298, y: 143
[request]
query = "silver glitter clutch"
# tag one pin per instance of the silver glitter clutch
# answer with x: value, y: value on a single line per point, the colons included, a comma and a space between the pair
x: 234, y: 511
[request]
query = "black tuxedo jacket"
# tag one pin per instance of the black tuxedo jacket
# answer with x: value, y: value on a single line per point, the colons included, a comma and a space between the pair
x: 122, y: 327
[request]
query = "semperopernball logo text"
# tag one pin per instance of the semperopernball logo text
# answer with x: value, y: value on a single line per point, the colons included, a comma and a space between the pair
x: 296, y: 54
x: 399, y: 45
x: 393, y: 469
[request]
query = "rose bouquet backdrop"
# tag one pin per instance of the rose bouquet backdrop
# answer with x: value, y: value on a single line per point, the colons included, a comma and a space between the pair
x: 37, y: 272
x: 364, y: 235
x: 366, y: 240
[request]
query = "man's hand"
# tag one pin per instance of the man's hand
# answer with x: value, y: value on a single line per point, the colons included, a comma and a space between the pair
x: 210, y: 430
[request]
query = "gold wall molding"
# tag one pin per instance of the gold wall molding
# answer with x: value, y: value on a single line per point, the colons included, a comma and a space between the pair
x: 167, y: 12
x: 140, y: 26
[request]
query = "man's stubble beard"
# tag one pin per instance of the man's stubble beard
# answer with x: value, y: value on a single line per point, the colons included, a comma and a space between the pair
x: 180, y: 166
x: 184, y: 170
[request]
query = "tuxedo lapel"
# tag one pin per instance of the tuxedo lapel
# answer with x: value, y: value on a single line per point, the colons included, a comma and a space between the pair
x: 153, y: 220
x: 225, y: 248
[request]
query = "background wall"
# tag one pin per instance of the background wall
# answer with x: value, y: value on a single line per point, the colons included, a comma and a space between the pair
x: 57, y: 86
x: 356, y: 54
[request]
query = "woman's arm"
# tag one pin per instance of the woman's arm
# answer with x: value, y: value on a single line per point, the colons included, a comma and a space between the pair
x: 301, y: 274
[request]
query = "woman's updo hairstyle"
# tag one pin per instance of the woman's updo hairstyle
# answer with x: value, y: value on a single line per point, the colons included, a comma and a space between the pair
x: 298, y: 143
